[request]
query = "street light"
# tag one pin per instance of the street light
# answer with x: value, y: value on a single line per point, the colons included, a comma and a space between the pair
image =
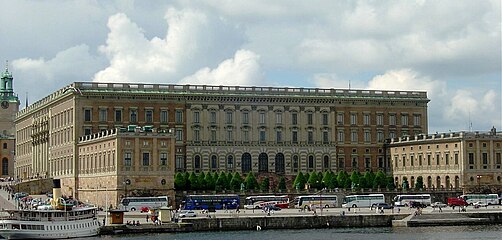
x: 479, y: 182
x: 126, y: 182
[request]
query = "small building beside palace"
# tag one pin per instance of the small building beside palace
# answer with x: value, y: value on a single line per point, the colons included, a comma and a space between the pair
x: 458, y: 160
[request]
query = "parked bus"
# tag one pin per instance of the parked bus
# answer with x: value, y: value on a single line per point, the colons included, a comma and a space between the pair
x: 143, y: 203
x: 363, y: 200
x: 489, y: 199
x: 315, y: 201
x: 217, y: 201
x: 404, y: 200
x: 262, y: 201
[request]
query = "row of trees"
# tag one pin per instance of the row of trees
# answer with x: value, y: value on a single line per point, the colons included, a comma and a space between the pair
x: 321, y: 180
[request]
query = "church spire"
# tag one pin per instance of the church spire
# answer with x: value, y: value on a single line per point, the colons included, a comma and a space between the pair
x: 6, y: 88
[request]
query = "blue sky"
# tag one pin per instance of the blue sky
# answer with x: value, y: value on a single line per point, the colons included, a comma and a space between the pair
x: 451, y: 49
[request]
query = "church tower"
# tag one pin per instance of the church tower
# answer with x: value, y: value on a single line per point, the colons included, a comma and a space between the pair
x: 9, y: 104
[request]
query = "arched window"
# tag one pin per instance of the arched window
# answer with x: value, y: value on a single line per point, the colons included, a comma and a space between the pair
x: 214, y: 163
x: 196, y: 163
x: 311, y: 163
x: 438, y: 182
x: 230, y: 163
x: 246, y: 163
x: 325, y: 164
x: 5, y: 166
x: 279, y: 164
x: 263, y: 162
x: 295, y: 163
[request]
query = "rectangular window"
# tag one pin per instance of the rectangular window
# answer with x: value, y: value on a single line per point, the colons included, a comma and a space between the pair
x: 437, y: 159
x: 366, y: 119
x: 392, y: 120
x: 179, y: 116
x: 294, y: 118
x: 102, y: 114
x: 447, y: 159
x: 196, y: 135
x: 412, y: 160
x: 245, y: 135
x: 127, y: 159
x: 310, y: 118
x: 429, y: 160
x: 163, y: 116
x: 310, y: 137
x: 245, y: 118
x: 325, y: 137
x: 230, y: 117
x: 179, y: 134
x: 133, y: 116
x: 339, y: 119
x: 341, y: 136
x: 395, y: 161
x: 324, y: 119
x: 404, y: 120
x: 380, y: 119
x: 213, y: 135
x: 456, y: 158
x: 380, y: 136
x: 416, y: 120
x: 341, y: 163
x: 498, y: 158
x: 294, y: 136
x: 367, y: 136
x: 118, y: 115
x: 180, y: 163
x: 353, y: 119
x: 87, y: 131
x: 262, y: 135
x: 87, y: 115
x: 471, y: 158
x: 196, y: 117
x: 353, y: 136
x: 163, y: 159
x: 278, y: 118
x: 278, y: 136
x: 367, y: 163
x: 420, y: 160
x: 212, y: 117
x: 230, y: 135
x: 404, y: 160
x: 380, y: 162
x: 262, y: 117
x: 149, y: 116
x: 485, y: 158
x: 392, y: 134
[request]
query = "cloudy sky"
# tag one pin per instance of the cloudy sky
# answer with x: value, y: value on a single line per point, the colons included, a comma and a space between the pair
x: 451, y: 49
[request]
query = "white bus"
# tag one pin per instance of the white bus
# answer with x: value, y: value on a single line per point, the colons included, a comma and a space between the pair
x: 143, y: 203
x: 355, y: 201
x: 404, y: 200
x: 489, y: 199
x: 315, y: 201
x: 262, y: 201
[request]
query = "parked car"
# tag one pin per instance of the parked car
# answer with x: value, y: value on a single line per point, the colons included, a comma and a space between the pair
x: 144, y: 209
x: 456, y: 202
x: 19, y: 195
x: 417, y: 205
x: 187, y: 213
x: 438, y: 204
x: 480, y: 204
x: 384, y: 206
x: 271, y: 208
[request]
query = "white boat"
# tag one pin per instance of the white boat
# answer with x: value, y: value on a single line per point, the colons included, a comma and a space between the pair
x: 56, y: 221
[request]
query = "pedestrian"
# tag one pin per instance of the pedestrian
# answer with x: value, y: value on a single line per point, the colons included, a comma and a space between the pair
x: 440, y: 210
x: 147, y: 218
x: 104, y: 221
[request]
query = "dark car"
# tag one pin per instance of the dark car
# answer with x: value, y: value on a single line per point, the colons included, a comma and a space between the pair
x: 417, y: 205
x: 384, y: 206
x: 271, y: 208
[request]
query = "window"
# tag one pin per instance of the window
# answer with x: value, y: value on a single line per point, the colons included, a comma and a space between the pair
x: 118, y: 115
x: 353, y: 119
x: 311, y: 163
x: 310, y: 118
x: 392, y: 120
x: 230, y: 117
x: 214, y: 163
x: 102, y: 114
x: 380, y: 119
x: 404, y: 160
x: 485, y: 158
x: 230, y: 135
x: 87, y: 131
x: 325, y: 119
x: 149, y: 116
x: 133, y: 115
x: 310, y: 137
x: 354, y: 163
x: 325, y: 137
x: 196, y: 117
x: 180, y: 162
x: 341, y: 136
x: 179, y: 116
x: 339, y: 119
x: 412, y: 160
x: 163, y: 116
x: 278, y: 136
x: 127, y: 159
x: 404, y: 120
x: 196, y: 135
x: 437, y: 159
x: 213, y: 135
x: 353, y: 136
x: 380, y: 162
x: 367, y: 136
x: 163, y: 159
x: 447, y: 158
x: 230, y: 163
x: 262, y: 118
x: 498, y: 159
x: 341, y: 163
x: 262, y: 135
x: 367, y: 163
x: 245, y: 135
x: 429, y: 160
x: 456, y: 158
x: 196, y: 163
x: 366, y: 119
x: 278, y: 118
x: 294, y: 136
x: 87, y: 115
x: 326, y: 163
x: 179, y: 134
x: 4, y: 145
x: 295, y: 163
x: 212, y: 117
x: 392, y: 134
x: 380, y: 136
x: 245, y: 118
x: 471, y: 158
x: 294, y: 118
x: 416, y: 120
x: 420, y: 160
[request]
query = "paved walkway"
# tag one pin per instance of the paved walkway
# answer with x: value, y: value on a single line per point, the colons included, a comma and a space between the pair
x: 5, y: 203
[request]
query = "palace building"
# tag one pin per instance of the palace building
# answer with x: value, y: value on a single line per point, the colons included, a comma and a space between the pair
x: 269, y: 130
x: 458, y: 160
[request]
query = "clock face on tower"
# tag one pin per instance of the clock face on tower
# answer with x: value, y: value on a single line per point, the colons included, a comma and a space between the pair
x: 4, y: 104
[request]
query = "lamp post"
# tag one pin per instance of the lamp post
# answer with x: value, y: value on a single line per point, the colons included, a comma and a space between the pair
x: 126, y: 183
x: 479, y: 182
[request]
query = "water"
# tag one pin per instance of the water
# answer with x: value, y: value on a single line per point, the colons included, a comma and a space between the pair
x: 425, y: 233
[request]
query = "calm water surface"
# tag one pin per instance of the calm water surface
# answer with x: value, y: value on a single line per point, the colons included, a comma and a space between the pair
x: 426, y: 233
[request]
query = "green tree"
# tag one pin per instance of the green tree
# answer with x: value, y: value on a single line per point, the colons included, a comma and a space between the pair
x: 282, y: 184
x: 221, y: 182
x: 333, y: 183
x: 405, y: 185
x: 326, y: 179
x: 179, y: 182
x: 265, y: 184
x: 201, y: 181
x: 390, y: 183
x: 299, y: 182
x: 420, y: 183
x: 210, y: 181
x: 251, y: 183
x: 354, y: 178
x: 380, y: 180
x: 313, y: 181
x: 235, y: 183
x: 343, y: 179
x: 193, y: 181
x: 369, y: 178
x: 186, y: 176
x: 229, y: 177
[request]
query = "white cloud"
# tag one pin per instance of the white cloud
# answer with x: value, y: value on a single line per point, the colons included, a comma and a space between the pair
x: 242, y: 70
x: 482, y: 111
